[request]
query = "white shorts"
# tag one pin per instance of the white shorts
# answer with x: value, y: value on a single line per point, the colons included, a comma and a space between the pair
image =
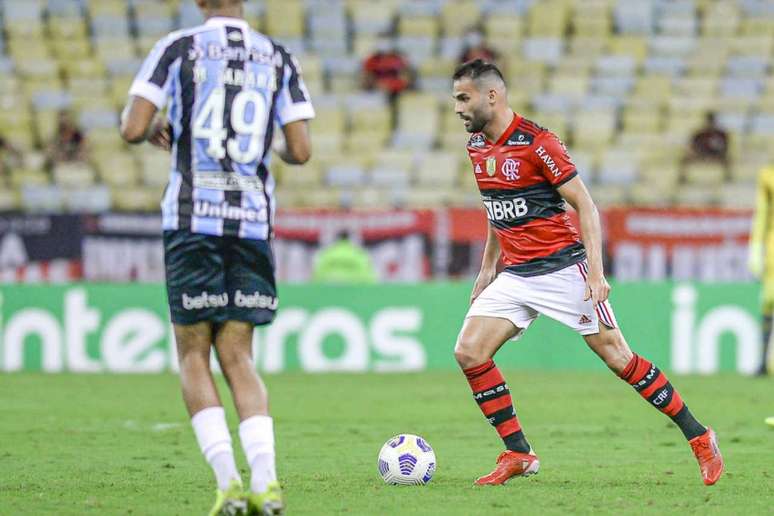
x: 559, y: 295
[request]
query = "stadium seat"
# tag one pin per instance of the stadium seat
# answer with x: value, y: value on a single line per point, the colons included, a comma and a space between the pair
x: 572, y: 86
x: 738, y: 195
x: 117, y: 8
x: 20, y: 178
x: 720, y: 19
x: 387, y: 177
x: 371, y: 17
x: 704, y: 173
x: 135, y: 198
x: 73, y: 175
x: 544, y: 50
x: 116, y: 167
x: 155, y: 165
x: 307, y: 178
x: 9, y: 200
x: 45, y: 199
x: 696, y: 196
x: 285, y: 19
x: 607, y: 195
x: 593, y: 129
x: 617, y: 167
x: 459, y: 16
x: 437, y: 169
x: 94, y: 199
x: 108, y: 26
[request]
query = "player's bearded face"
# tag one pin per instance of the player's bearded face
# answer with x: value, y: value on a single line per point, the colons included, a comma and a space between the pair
x: 471, y: 106
x: 477, y: 118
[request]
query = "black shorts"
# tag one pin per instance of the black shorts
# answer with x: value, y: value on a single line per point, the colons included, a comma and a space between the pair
x: 213, y: 278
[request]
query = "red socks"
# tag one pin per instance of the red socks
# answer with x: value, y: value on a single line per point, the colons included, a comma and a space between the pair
x: 652, y: 385
x: 494, y: 399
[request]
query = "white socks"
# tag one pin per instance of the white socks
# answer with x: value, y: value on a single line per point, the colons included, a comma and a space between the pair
x: 257, y: 436
x: 215, y: 442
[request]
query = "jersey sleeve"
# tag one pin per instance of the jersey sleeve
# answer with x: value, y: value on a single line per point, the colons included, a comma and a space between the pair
x: 153, y: 80
x: 553, y: 160
x: 293, y: 101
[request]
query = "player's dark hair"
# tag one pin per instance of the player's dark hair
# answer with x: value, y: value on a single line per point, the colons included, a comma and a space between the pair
x: 476, y: 69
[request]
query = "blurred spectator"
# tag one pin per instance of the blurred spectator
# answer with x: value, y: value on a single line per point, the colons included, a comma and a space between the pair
x: 387, y: 69
x: 709, y: 144
x: 344, y: 262
x: 68, y: 144
x: 474, y: 47
x: 10, y: 157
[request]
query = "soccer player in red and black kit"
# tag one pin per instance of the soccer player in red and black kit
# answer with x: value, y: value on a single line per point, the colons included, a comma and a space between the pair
x: 525, y: 176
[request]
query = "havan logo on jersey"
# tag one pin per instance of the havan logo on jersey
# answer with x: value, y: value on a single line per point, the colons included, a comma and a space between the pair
x: 548, y: 160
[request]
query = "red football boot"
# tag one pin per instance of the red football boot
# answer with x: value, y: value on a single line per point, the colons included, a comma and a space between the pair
x: 511, y: 464
x: 705, y: 447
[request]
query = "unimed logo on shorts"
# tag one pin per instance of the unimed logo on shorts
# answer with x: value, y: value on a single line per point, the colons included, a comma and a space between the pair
x: 204, y: 300
x: 254, y: 300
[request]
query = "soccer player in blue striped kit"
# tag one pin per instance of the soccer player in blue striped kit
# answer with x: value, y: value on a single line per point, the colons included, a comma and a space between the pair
x: 225, y: 86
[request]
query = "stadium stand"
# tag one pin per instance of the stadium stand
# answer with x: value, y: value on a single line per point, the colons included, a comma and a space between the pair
x: 623, y: 83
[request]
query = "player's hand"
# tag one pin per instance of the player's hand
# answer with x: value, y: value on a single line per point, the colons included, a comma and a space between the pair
x: 597, y: 289
x: 161, y: 134
x: 484, y: 278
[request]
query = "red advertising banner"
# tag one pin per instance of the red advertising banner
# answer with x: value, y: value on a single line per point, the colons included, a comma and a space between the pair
x: 703, y: 244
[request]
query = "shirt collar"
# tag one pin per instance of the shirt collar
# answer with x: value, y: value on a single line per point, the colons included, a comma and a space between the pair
x: 220, y: 21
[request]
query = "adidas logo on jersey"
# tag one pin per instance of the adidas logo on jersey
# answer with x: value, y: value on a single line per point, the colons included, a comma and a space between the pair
x: 584, y: 319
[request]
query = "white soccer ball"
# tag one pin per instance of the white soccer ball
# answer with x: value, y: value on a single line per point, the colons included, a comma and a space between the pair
x: 406, y: 459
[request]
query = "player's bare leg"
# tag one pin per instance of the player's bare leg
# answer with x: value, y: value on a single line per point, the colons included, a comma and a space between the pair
x: 233, y: 343
x: 207, y: 415
x: 609, y: 344
x: 477, y: 343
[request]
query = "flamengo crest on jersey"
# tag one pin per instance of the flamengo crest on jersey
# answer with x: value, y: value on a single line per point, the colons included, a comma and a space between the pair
x: 518, y: 177
x: 225, y: 85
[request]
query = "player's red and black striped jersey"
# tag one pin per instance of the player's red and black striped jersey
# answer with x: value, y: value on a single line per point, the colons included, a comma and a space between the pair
x: 518, y: 177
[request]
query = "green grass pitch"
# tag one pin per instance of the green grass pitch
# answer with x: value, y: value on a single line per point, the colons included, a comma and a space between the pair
x: 122, y: 445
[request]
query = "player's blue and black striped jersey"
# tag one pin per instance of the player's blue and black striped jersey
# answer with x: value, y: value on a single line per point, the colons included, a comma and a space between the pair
x: 226, y: 86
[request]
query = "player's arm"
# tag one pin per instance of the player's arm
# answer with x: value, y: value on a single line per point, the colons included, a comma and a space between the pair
x: 148, y: 95
x: 296, y: 147
x: 759, y: 226
x: 576, y: 193
x: 488, y: 271
x: 294, y: 110
x: 139, y: 123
